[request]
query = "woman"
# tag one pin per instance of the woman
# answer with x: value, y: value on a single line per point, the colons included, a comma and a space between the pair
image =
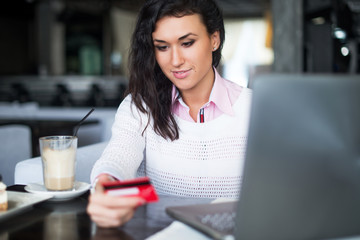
x: 182, y: 124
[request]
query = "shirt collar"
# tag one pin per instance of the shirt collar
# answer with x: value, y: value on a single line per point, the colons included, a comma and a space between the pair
x: 219, y: 95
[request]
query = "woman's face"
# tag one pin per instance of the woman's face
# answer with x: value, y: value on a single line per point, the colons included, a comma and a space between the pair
x: 183, y: 50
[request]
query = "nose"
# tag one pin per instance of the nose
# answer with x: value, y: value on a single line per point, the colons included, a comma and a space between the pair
x: 177, y: 58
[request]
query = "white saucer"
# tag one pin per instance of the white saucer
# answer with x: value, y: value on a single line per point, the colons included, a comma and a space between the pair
x: 79, y: 188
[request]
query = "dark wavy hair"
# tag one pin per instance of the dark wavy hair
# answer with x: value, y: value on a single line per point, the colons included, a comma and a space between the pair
x: 147, y: 83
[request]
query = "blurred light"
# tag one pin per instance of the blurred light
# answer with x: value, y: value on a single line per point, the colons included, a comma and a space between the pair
x: 339, y: 33
x: 318, y: 20
x: 345, y: 51
x: 116, y: 59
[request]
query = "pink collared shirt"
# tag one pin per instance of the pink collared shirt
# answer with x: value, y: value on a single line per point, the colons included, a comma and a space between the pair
x: 222, y: 97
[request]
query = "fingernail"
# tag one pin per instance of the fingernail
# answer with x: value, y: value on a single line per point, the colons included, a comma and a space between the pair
x: 140, y: 202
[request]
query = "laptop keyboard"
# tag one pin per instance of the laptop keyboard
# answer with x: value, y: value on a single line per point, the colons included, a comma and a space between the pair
x: 223, y: 222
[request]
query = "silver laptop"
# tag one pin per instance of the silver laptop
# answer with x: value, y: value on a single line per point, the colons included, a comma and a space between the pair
x: 302, y: 170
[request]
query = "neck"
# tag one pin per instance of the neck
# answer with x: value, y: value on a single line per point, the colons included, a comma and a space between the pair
x: 195, y: 98
x: 200, y: 94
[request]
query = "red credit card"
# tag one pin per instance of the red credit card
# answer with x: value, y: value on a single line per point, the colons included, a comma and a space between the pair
x: 138, y: 187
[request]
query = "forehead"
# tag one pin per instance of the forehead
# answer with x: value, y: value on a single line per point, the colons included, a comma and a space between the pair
x: 174, y: 27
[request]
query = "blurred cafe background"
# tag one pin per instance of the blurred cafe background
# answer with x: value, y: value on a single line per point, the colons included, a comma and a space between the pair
x: 60, y: 58
x: 73, y: 53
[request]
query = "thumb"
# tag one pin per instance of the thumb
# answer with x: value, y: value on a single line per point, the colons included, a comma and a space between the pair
x: 99, y: 188
x: 103, y: 178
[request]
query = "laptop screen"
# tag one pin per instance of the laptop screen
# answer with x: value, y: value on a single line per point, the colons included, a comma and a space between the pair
x: 302, y: 169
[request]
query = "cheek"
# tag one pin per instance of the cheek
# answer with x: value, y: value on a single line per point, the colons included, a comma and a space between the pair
x: 203, y: 50
x: 202, y: 56
x: 161, y: 60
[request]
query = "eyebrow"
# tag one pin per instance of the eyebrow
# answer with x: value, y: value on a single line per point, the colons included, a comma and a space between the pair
x: 180, y: 38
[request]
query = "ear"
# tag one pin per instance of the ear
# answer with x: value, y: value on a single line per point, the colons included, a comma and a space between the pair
x: 215, y: 40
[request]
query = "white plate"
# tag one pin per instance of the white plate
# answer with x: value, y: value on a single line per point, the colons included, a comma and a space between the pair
x: 79, y: 188
x: 20, y: 201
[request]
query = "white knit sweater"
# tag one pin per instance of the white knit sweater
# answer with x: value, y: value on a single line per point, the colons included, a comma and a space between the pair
x: 205, y: 162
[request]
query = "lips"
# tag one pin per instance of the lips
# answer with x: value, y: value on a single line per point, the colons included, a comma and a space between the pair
x: 181, y: 74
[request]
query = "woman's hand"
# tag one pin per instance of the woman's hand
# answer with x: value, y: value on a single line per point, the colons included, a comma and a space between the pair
x: 111, y: 211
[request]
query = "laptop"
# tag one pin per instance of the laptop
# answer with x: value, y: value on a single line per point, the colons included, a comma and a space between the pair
x: 301, y: 177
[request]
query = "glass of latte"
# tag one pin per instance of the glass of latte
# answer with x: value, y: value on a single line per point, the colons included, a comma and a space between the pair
x: 58, y: 155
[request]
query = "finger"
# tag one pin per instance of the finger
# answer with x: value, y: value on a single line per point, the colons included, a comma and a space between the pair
x: 128, y: 216
x: 115, y: 201
x: 105, y: 222
x: 113, y: 222
x: 110, y: 210
x: 106, y: 217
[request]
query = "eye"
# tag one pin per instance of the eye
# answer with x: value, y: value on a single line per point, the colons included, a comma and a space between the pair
x: 161, y: 48
x: 188, y: 44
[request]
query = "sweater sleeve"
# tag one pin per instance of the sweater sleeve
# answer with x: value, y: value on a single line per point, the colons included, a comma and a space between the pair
x: 125, y: 150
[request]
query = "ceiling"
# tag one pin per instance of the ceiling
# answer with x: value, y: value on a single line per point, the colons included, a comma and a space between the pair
x: 243, y: 8
x: 231, y: 8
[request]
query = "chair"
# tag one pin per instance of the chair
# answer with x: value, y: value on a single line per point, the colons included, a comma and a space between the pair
x: 15, y: 145
x: 30, y: 170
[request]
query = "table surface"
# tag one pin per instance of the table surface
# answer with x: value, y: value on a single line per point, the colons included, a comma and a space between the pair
x: 69, y: 220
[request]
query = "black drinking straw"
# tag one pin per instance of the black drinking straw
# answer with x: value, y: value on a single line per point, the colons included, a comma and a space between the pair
x: 81, y: 121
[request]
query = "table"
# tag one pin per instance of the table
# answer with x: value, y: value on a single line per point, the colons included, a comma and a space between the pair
x: 45, y: 127
x: 68, y: 220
